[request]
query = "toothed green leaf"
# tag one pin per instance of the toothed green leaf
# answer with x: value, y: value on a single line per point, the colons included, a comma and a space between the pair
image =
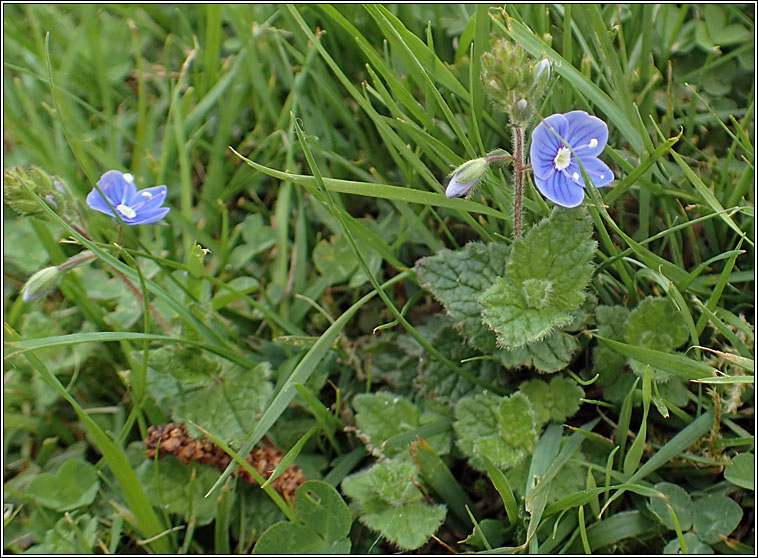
x: 551, y: 354
x: 457, y: 279
x: 392, y: 503
x: 655, y: 324
x: 503, y: 428
x: 555, y: 401
x: 439, y: 382
x: 544, y: 282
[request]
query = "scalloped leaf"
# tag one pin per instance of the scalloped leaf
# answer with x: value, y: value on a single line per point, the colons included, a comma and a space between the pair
x: 227, y: 404
x: 382, y: 415
x: 546, y: 275
x: 73, y: 486
x: 439, y: 382
x: 408, y: 526
x: 457, y: 279
x: 503, y: 428
x: 322, y: 526
x: 552, y: 354
x: 555, y: 401
x: 392, y: 503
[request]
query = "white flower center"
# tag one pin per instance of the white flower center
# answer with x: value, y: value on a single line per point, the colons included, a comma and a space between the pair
x: 575, y: 177
x: 128, y: 177
x: 593, y: 143
x: 562, y: 158
x: 126, y: 211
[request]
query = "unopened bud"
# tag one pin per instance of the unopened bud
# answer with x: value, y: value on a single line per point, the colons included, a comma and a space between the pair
x: 466, y: 176
x: 543, y: 66
x: 40, y: 283
x: 18, y: 181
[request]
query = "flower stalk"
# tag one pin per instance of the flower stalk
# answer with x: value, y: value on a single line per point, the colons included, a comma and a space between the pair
x: 518, y: 177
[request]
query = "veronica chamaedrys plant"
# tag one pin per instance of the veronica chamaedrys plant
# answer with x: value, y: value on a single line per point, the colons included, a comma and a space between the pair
x: 557, y: 142
x: 134, y: 207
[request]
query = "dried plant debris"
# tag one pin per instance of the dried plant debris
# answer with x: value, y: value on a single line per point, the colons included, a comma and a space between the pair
x: 173, y: 439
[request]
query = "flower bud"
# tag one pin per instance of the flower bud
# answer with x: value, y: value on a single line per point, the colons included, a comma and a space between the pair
x: 40, y: 283
x: 466, y: 176
x: 523, y: 107
x: 542, y: 73
x: 513, y: 80
x: 51, y: 189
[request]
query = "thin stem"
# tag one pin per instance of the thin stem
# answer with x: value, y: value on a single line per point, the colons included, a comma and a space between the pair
x: 518, y: 175
x: 76, y: 260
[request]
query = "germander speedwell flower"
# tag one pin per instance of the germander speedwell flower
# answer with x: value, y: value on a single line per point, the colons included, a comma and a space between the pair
x: 556, y: 172
x: 135, y: 208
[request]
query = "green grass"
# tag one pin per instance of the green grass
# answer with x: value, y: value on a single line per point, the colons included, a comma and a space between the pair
x: 307, y: 149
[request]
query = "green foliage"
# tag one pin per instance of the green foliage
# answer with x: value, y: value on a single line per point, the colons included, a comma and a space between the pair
x: 741, y: 471
x: 544, y: 282
x: 73, y: 486
x: 439, y: 382
x: 69, y: 536
x: 716, y: 516
x: 180, y: 489
x: 321, y: 527
x: 382, y: 415
x: 655, y: 324
x: 224, y: 400
x: 336, y: 260
x: 458, y: 278
x: 679, y: 500
x: 614, y: 378
x: 694, y: 545
x: 551, y: 354
x: 256, y: 238
x: 555, y: 401
x: 306, y: 151
x: 502, y: 428
x: 392, y: 504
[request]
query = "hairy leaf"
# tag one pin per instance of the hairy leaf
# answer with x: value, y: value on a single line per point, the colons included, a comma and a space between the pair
x: 457, y: 279
x: 551, y: 354
x: 439, y: 382
x: 546, y: 275
x: 555, y: 401
x: 503, y: 428
x: 392, y: 503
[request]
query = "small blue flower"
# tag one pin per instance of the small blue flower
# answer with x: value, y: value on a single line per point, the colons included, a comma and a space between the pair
x: 135, y: 208
x: 556, y: 172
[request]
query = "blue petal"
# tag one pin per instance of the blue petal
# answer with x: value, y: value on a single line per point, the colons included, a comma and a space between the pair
x: 457, y: 189
x: 583, y: 128
x: 545, y: 144
x: 560, y: 190
x: 116, y: 188
x: 148, y: 198
x: 147, y: 194
x: 600, y: 174
x: 96, y: 202
x: 147, y: 217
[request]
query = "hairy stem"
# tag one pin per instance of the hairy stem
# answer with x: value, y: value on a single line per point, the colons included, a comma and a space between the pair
x: 518, y: 175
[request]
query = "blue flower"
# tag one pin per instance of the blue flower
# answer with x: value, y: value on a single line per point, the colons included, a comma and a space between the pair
x: 556, y: 172
x: 135, y: 208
